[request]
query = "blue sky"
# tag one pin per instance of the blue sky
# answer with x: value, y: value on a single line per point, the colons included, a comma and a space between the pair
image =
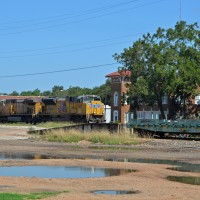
x: 38, y: 36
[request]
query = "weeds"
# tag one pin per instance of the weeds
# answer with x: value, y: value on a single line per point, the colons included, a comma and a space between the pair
x: 54, y: 124
x: 42, y: 125
x: 15, y: 196
x: 102, y: 137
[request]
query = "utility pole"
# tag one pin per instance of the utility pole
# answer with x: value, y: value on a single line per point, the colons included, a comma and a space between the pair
x: 180, y: 10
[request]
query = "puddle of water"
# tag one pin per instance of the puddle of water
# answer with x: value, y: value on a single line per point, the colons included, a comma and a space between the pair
x: 60, y: 171
x: 185, y: 179
x: 32, y: 156
x: 187, y: 167
x: 182, y: 166
x: 6, y: 186
x: 4, y: 156
x: 114, y: 192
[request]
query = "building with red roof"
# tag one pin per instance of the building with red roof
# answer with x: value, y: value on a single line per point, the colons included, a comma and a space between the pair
x: 119, y: 107
x: 126, y: 73
x: 119, y: 110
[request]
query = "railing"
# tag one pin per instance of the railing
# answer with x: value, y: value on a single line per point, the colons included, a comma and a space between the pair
x: 166, y: 126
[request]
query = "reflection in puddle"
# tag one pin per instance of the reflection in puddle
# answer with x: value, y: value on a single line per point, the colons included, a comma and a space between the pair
x: 32, y: 156
x: 60, y: 171
x: 182, y: 166
x: 114, y: 192
x: 25, y: 156
x: 6, y: 186
x: 187, y: 168
x: 185, y: 179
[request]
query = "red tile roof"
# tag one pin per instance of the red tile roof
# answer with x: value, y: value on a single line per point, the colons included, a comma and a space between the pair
x: 123, y: 73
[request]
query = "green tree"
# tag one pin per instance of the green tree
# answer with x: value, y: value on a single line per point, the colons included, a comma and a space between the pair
x: 58, y: 91
x: 104, y: 91
x: 14, y: 93
x: 165, y: 63
x: 76, y: 91
x: 26, y: 93
x: 46, y: 93
x: 36, y: 92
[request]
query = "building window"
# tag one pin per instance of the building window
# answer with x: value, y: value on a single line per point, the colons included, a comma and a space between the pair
x: 115, y: 115
x: 128, y: 117
x: 140, y: 115
x: 197, y: 99
x: 165, y: 99
x: 116, y: 97
x: 149, y: 114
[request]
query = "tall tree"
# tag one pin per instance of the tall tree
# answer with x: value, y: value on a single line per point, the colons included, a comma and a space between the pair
x: 104, y: 91
x: 165, y: 63
x: 14, y: 93
x: 36, y: 92
x: 57, y: 91
x: 26, y: 93
x: 46, y: 93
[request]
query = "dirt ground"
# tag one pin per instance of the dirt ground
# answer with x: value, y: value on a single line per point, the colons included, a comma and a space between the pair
x: 149, y: 180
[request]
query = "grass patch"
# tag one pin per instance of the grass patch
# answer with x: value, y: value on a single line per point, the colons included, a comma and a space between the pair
x: 43, y: 124
x: 16, y: 196
x: 54, y: 124
x: 15, y: 124
x: 62, y: 136
x: 102, y: 137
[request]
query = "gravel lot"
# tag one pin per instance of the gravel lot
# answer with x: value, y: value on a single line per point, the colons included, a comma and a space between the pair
x: 149, y: 179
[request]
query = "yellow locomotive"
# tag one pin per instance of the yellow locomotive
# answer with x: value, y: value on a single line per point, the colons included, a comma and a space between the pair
x: 19, y: 109
x: 85, y: 108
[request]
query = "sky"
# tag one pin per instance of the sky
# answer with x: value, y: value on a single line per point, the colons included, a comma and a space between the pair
x: 71, y: 43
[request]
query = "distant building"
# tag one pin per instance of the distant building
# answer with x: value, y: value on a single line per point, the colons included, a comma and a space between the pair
x: 119, y: 112
x: 107, y: 113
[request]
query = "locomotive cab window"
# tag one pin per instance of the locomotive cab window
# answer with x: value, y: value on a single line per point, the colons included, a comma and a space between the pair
x: 88, y: 98
x: 97, y: 99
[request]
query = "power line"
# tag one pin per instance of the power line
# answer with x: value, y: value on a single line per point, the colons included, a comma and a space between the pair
x: 57, y: 71
x: 65, y: 51
x: 70, y: 50
x: 81, y: 20
x: 180, y: 10
x: 74, y: 14
x: 69, y: 45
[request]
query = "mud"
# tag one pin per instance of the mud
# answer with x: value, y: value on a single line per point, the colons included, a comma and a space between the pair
x: 149, y: 180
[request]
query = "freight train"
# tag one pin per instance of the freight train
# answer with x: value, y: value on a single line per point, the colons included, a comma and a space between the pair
x: 85, y: 108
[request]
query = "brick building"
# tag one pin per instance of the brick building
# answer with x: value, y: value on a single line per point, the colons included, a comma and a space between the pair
x: 118, y: 89
x: 119, y: 111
